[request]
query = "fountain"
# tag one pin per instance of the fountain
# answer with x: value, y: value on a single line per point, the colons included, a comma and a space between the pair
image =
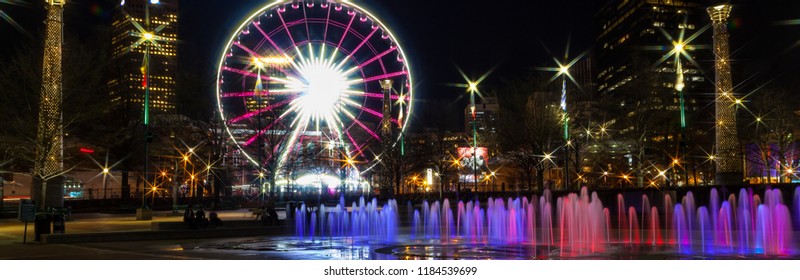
x: 578, y: 226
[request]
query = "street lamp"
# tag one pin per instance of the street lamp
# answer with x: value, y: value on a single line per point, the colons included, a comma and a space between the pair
x: 147, y: 36
x: 679, y: 85
x: 472, y: 88
x: 563, y: 71
x: 679, y: 48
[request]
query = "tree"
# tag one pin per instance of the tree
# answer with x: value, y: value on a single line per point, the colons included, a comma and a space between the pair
x: 529, y: 129
x: 770, y: 129
x: 643, y: 121
x: 83, y: 88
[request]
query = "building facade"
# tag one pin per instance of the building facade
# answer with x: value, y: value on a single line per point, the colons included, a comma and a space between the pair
x: 658, y: 100
x: 131, y: 21
x: 486, y: 121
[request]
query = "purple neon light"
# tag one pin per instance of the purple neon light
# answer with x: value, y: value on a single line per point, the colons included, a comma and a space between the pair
x: 259, y: 111
x: 377, y: 57
x: 385, y: 76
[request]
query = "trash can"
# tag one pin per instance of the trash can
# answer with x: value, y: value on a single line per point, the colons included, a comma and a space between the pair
x: 59, y: 223
x: 41, y: 225
x: 290, y: 208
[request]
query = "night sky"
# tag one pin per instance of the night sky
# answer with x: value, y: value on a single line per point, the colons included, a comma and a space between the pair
x: 513, y: 37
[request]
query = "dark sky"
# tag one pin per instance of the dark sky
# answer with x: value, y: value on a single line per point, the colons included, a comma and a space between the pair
x: 439, y: 35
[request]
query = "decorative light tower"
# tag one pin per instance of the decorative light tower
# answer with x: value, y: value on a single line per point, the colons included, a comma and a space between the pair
x: 729, y: 166
x: 386, y: 134
x: 49, y: 162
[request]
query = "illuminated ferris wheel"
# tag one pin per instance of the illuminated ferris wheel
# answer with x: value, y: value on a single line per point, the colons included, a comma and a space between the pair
x: 312, y: 72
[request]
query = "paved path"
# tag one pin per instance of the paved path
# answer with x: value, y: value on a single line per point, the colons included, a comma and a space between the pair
x: 12, y: 247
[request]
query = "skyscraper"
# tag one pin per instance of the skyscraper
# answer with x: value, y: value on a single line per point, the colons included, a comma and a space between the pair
x: 129, y: 25
x: 633, y: 31
x: 486, y: 121
x: 638, y: 42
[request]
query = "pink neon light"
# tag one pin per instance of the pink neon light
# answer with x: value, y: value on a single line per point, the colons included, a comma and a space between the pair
x: 366, y: 128
x: 269, y: 39
x: 346, y: 30
x: 240, y: 71
x: 358, y: 148
x: 385, y: 76
x: 238, y: 94
x: 251, y: 114
x: 364, y: 41
x: 380, y: 95
x: 246, y: 49
x: 287, y: 29
x: 260, y: 132
x: 379, y: 115
x: 377, y: 57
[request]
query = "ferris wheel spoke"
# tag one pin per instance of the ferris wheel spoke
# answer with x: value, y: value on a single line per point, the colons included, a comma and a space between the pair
x: 259, y: 111
x: 379, y: 56
x: 346, y: 30
x: 385, y: 76
x: 364, y: 41
x: 327, y: 23
x: 274, y: 45
x: 242, y: 72
x: 262, y: 131
x: 355, y: 144
x: 378, y: 95
x: 362, y: 125
x: 289, y: 33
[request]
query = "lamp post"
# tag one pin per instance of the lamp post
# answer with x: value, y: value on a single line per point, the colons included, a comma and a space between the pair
x: 563, y: 71
x: 679, y: 85
x: 105, y: 182
x: 473, y: 88
x: 148, y: 38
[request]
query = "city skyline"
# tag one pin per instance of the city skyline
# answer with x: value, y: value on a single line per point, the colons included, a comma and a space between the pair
x: 467, y: 37
x: 383, y: 130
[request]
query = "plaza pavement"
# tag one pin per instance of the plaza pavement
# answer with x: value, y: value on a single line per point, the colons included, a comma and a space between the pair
x: 99, y: 227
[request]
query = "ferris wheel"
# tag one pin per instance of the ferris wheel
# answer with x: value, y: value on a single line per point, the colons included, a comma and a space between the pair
x: 313, y: 71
